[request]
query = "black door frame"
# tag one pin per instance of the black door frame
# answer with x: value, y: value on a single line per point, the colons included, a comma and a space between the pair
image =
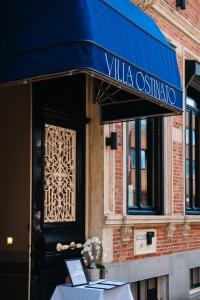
x: 44, y: 257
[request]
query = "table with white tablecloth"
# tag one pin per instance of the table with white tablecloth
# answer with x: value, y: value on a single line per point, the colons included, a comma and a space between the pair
x: 65, y: 292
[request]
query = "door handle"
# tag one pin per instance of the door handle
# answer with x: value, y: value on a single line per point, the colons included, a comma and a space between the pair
x: 72, y: 246
x: 37, y: 221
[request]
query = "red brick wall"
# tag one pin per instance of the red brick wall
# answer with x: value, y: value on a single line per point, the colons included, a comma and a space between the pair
x: 165, y: 245
x: 178, y: 243
x: 190, y: 13
x: 175, y: 33
x: 178, y: 207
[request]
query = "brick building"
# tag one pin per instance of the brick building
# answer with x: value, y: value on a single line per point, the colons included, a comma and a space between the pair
x: 174, y: 261
x: 65, y: 101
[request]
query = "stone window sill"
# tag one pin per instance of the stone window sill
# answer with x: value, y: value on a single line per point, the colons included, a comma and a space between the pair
x: 118, y: 220
x: 195, y: 292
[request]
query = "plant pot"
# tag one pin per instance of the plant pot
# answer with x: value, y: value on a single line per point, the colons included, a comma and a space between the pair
x: 92, y: 274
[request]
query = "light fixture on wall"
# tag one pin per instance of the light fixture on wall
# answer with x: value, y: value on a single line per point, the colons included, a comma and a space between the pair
x: 150, y: 235
x: 181, y: 3
x: 112, y: 141
x: 9, y: 240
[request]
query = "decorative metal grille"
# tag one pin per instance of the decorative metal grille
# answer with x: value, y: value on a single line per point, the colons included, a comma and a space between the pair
x: 59, y: 174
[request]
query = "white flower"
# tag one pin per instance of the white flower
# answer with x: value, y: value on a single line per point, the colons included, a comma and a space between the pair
x: 87, y: 243
x: 104, y: 254
x: 88, y: 249
x: 92, y: 251
x: 65, y: 247
x: 95, y: 239
x: 59, y: 247
x: 72, y: 244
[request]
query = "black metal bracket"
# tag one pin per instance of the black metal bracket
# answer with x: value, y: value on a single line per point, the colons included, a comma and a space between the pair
x: 103, y: 92
x: 181, y: 3
x: 150, y: 235
x: 112, y: 141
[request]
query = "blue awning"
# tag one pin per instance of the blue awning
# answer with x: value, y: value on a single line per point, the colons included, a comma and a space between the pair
x: 111, y: 38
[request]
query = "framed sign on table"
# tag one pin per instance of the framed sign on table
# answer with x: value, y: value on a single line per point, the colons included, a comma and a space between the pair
x: 76, y: 272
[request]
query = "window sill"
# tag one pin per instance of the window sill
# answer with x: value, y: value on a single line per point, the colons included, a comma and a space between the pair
x: 195, y: 291
x: 118, y: 220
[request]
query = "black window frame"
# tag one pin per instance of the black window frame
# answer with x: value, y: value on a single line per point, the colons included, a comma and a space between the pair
x: 193, y: 111
x: 156, y: 190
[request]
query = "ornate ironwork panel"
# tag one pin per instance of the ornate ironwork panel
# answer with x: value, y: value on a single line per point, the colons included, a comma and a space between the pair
x: 59, y: 174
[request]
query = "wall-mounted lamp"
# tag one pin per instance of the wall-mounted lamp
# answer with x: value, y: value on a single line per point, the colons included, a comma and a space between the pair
x: 181, y: 3
x: 112, y: 141
x: 9, y: 240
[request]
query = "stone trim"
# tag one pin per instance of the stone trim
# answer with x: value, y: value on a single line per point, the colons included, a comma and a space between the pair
x: 118, y: 220
x: 175, y: 266
x: 144, y: 4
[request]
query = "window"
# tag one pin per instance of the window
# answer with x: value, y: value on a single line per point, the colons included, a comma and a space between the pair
x: 194, y: 278
x: 192, y: 157
x: 144, y: 169
x: 145, y: 289
x: 150, y: 289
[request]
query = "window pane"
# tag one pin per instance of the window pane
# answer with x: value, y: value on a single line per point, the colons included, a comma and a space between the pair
x: 187, y: 167
x: 194, y: 159
x: 146, y: 290
x: 144, y: 124
x: 193, y: 137
x: 151, y: 290
x: 150, y: 156
x: 143, y: 290
x: 187, y: 136
x: 143, y: 151
x: 135, y: 286
x: 132, y: 124
x: 187, y: 162
x: 195, y: 278
x: 131, y: 193
x: 132, y: 157
x: 143, y: 155
x: 143, y: 159
x: 151, y: 283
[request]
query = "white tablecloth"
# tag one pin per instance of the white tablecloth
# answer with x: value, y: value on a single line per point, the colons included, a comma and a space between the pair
x: 64, y: 292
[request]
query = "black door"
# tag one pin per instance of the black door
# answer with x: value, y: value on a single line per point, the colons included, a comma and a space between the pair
x: 58, y: 184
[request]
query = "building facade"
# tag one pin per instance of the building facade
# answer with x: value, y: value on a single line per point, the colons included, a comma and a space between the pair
x: 173, y: 261
x: 89, y: 149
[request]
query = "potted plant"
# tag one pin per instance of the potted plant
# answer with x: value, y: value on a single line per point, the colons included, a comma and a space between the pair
x: 92, y: 254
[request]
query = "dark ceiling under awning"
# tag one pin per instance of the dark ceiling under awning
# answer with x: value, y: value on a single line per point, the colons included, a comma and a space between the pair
x: 192, y: 74
x: 111, y: 39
